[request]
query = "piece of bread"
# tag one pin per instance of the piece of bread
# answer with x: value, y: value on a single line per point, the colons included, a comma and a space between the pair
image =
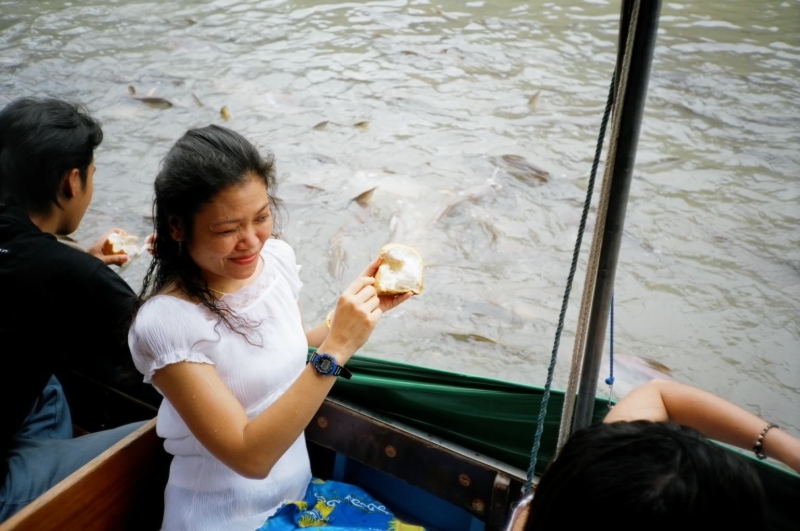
x: 401, y: 271
x: 118, y: 243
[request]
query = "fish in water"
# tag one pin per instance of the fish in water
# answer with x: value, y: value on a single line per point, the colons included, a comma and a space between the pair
x: 299, y: 194
x: 471, y: 337
x: 362, y: 126
x: 156, y: 103
x: 407, y: 224
x: 225, y: 113
x: 534, y: 100
x: 398, y: 226
x: 363, y: 201
x: 631, y: 372
x: 151, y: 101
x: 658, y: 163
x: 338, y: 256
x: 474, y: 195
x: 521, y: 168
x: 364, y: 197
x: 491, y: 230
x: 322, y: 125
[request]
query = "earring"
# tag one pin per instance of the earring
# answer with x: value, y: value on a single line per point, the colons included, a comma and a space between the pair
x: 180, y: 248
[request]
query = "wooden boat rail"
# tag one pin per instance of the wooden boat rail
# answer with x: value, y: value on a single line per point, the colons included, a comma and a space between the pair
x: 113, y: 491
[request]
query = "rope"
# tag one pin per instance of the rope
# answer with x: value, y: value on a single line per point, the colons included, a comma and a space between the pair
x: 571, y: 393
x: 610, y: 379
x: 612, y: 90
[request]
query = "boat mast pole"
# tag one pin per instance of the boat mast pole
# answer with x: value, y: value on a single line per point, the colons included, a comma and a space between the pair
x: 630, y: 124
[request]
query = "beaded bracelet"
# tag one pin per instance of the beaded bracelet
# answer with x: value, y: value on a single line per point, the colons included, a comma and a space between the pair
x: 758, y: 449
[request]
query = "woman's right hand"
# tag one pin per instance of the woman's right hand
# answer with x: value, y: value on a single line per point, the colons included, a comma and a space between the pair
x: 355, y: 317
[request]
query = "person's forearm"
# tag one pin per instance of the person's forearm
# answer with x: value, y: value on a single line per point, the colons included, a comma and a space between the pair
x: 284, y: 421
x: 783, y: 447
x: 713, y: 416
x: 268, y: 436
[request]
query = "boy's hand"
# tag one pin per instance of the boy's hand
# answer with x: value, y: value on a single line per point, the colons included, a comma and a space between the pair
x: 109, y: 259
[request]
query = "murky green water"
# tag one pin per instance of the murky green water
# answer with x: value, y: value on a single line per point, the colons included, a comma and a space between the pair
x: 709, y: 279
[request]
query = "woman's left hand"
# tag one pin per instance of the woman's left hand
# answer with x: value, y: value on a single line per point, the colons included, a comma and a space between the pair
x: 387, y: 301
x: 390, y: 301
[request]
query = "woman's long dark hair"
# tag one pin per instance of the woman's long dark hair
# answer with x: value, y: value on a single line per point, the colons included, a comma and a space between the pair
x: 200, y: 165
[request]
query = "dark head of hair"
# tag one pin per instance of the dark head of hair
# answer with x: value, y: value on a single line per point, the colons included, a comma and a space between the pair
x: 647, y: 475
x: 40, y: 141
x: 201, y: 164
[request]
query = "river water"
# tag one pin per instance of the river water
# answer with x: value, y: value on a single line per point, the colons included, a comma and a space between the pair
x: 709, y: 277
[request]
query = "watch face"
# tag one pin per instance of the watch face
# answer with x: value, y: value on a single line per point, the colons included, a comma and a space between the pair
x: 324, y: 365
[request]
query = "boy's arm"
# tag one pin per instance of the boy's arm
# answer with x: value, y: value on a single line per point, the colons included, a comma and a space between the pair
x: 716, y: 418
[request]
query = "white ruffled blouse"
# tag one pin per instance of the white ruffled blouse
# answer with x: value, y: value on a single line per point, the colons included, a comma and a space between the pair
x: 203, y: 494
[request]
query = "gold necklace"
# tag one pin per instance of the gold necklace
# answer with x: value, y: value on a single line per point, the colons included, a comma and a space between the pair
x: 222, y: 292
x: 219, y: 292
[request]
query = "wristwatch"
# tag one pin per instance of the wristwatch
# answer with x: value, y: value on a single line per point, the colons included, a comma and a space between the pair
x: 327, y: 366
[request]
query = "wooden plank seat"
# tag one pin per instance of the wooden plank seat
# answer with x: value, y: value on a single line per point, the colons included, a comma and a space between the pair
x: 122, y: 488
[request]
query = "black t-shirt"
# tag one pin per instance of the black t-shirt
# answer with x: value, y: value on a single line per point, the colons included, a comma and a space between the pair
x: 59, y: 308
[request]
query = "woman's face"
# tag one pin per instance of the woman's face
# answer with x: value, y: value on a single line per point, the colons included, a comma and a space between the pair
x: 230, y: 231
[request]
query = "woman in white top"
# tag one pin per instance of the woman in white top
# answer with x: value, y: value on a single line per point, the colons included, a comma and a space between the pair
x: 220, y: 335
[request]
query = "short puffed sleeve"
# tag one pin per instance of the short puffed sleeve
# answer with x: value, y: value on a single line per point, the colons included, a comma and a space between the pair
x: 280, y: 255
x: 169, y: 330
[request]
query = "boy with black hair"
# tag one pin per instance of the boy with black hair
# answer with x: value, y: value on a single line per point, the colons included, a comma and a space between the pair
x: 61, y: 307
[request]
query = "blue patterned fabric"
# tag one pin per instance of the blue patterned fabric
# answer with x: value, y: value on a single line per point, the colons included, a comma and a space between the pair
x: 336, y: 507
